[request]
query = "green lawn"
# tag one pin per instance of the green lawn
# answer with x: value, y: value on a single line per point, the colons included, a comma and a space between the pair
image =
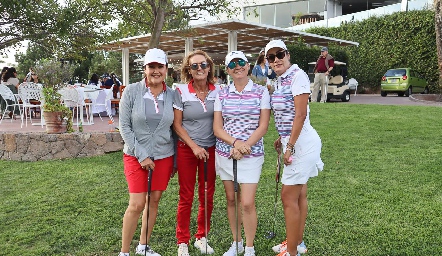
x: 379, y: 194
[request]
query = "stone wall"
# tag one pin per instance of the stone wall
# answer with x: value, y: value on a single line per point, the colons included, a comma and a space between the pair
x: 43, y: 146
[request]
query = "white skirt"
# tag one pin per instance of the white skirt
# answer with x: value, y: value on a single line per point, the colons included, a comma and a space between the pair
x: 306, y: 161
x: 249, y: 169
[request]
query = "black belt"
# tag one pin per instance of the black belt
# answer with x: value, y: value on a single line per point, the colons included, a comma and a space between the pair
x: 322, y: 72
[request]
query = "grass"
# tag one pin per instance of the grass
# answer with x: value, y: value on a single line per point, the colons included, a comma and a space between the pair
x: 380, y: 193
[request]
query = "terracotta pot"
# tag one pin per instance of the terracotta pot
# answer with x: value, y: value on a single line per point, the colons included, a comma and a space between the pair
x: 54, y: 122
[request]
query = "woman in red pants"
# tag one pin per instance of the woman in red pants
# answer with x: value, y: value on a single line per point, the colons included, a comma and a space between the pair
x: 193, y: 122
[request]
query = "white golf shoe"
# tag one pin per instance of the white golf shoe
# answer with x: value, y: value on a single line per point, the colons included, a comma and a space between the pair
x: 201, y: 245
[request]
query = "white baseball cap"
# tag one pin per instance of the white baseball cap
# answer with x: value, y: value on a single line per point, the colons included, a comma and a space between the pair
x: 155, y: 55
x: 275, y: 44
x: 235, y: 55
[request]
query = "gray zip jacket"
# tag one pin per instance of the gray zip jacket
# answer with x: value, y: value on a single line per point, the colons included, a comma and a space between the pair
x: 139, y: 140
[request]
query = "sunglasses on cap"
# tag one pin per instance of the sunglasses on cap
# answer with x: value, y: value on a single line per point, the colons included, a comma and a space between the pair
x: 280, y: 55
x: 203, y: 65
x: 240, y: 62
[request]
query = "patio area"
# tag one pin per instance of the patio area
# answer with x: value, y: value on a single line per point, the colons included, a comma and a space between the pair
x: 32, y: 143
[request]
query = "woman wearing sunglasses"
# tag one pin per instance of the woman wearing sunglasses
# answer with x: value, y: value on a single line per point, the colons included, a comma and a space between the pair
x: 300, y: 143
x: 146, y: 117
x: 193, y: 122
x: 241, y: 119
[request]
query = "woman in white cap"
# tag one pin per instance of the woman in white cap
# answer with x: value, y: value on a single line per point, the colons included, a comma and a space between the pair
x: 299, y: 141
x: 241, y: 119
x: 146, y: 116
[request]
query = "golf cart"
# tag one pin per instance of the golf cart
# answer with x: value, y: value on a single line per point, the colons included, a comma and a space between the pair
x: 338, y: 85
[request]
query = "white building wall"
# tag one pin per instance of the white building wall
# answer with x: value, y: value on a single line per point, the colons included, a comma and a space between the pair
x: 279, y: 12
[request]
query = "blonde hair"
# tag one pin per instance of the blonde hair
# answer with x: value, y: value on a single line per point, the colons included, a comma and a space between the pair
x: 185, y: 68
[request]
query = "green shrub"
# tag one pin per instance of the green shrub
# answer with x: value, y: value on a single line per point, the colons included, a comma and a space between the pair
x: 402, y: 39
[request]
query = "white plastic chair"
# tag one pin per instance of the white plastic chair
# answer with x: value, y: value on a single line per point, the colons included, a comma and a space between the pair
x: 28, y: 92
x: 8, y: 96
x: 104, y: 99
x: 353, y: 84
x: 72, y: 99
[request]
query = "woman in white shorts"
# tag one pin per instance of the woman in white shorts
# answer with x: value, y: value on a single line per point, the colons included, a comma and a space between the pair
x: 300, y: 143
x: 241, y: 119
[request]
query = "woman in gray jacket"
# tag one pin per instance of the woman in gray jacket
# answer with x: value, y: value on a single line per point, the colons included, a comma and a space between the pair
x: 146, y: 116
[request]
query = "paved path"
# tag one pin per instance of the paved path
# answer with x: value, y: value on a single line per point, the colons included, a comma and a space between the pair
x: 389, y: 100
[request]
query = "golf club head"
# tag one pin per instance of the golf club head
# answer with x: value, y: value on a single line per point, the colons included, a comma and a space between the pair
x: 270, y: 235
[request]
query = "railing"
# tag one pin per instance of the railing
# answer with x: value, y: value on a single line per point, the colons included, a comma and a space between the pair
x: 359, y: 16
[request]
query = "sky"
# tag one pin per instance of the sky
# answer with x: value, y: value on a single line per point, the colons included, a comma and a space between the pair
x: 9, y: 58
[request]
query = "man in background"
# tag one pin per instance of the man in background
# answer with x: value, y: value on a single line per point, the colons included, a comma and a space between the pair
x: 324, y: 65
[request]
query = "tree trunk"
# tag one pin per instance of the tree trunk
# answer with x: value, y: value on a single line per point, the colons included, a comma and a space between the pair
x: 438, y: 26
x: 157, y: 27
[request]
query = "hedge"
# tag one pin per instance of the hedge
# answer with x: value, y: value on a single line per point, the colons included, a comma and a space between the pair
x: 402, y: 39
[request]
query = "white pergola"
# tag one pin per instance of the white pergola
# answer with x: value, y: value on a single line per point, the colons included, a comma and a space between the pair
x: 215, y: 38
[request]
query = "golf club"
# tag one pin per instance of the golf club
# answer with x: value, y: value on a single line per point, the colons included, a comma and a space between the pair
x: 149, y: 189
x: 272, y: 234
x: 205, y: 200
x: 235, y: 185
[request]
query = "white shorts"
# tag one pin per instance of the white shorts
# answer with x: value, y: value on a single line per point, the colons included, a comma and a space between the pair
x: 249, y: 169
x: 306, y: 161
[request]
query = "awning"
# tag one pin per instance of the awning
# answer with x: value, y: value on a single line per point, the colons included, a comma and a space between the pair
x: 217, y: 39
x: 213, y: 39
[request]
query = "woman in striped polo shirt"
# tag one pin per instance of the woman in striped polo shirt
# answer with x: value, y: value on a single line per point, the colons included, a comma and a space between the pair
x: 300, y: 143
x: 241, y: 119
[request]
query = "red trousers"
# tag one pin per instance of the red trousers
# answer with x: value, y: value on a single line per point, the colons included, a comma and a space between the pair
x: 189, y: 167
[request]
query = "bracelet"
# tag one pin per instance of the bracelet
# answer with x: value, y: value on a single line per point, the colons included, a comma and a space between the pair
x: 290, y: 145
x: 233, y: 144
x: 291, y: 150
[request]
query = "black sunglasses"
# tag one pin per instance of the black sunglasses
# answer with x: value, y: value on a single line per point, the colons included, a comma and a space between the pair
x: 203, y: 65
x: 240, y: 62
x: 280, y: 55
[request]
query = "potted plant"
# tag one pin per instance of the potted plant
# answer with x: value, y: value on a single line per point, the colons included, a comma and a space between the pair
x: 54, y: 74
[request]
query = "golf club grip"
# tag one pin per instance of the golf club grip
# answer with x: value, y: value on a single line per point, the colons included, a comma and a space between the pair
x: 149, y: 181
x: 235, y: 174
x: 149, y: 178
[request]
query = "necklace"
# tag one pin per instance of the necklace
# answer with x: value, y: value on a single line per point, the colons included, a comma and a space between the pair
x: 204, y: 87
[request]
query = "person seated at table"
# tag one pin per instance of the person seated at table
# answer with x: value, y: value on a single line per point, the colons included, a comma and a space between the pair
x: 34, y: 78
x: 11, y: 81
x: 28, y: 77
x: 1, y: 81
x: 117, y: 83
x: 94, y: 81
x: 107, y: 81
x: 4, y: 72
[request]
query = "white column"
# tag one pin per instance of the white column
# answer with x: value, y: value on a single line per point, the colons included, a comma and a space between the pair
x: 232, y: 44
x: 404, y: 6
x: 125, y: 65
x: 188, y: 45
